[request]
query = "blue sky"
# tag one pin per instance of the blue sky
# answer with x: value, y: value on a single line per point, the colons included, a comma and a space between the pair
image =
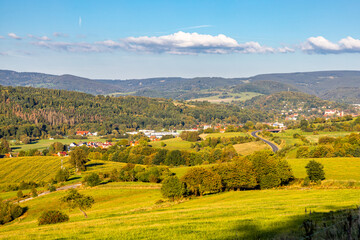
x: 139, y: 39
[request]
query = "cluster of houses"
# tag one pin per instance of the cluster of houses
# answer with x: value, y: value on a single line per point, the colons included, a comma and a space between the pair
x: 153, y: 135
x: 86, y: 133
x: 91, y: 144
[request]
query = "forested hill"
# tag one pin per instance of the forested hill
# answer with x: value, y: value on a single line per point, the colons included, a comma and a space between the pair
x: 322, y: 84
x: 27, y: 110
x: 292, y: 102
x: 65, y: 82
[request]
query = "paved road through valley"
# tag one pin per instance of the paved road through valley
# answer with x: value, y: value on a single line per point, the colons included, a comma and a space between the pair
x: 273, y: 146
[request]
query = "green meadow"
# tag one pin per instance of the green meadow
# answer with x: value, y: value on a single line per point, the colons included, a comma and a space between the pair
x: 173, y: 144
x: 45, y: 143
x: 133, y: 212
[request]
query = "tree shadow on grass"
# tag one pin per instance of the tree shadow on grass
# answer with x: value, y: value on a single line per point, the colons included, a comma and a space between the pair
x: 74, y: 178
x: 294, y: 227
x: 94, y: 164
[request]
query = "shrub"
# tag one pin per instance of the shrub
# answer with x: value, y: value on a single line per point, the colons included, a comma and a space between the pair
x: 172, y: 188
x: 306, y: 182
x: 34, y: 192
x: 62, y: 175
x: 9, y: 212
x: 20, y: 194
x: 51, y: 188
x: 92, y: 180
x: 52, y: 217
x: 315, y: 171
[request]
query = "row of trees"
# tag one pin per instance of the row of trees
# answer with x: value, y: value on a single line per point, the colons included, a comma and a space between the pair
x: 260, y: 170
x: 348, y: 146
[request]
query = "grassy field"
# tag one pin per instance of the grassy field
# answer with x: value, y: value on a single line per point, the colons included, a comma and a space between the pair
x: 130, y: 212
x: 287, y: 136
x: 225, y: 135
x: 173, y: 144
x: 45, y: 143
x: 335, y: 168
x: 15, y: 170
x: 251, y: 147
x: 231, y: 97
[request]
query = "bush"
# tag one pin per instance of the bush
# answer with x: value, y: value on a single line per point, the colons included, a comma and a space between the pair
x: 9, y: 212
x: 62, y: 175
x: 34, y: 192
x: 52, y: 217
x: 172, y: 188
x: 92, y: 180
x: 52, y: 188
x: 315, y: 171
x: 20, y: 194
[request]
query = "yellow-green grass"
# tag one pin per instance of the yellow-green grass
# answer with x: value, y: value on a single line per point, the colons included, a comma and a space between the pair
x: 287, y: 136
x: 335, y: 168
x: 45, y: 143
x: 231, y: 97
x: 39, y: 168
x: 223, y: 135
x: 250, y: 147
x: 132, y: 213
x: 173, y: 144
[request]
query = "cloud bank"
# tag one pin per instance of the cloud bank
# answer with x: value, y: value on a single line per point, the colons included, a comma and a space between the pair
x: 183, y: 43
x: 320, y: 45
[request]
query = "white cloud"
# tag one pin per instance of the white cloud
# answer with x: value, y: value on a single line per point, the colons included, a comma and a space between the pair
x: 2, y: 37
x: 321, y: 45
x: 190, y: 43
x: 14, y: 36
x: 59, y: 34
x: 43, y: 38
x: 178, y: 43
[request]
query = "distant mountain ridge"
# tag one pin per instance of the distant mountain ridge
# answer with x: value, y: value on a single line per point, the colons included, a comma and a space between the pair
x: 322, y: 84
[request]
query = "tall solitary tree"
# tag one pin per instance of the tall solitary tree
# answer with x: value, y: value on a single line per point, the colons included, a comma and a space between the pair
x: 74, y: 199
x: 78, y: 158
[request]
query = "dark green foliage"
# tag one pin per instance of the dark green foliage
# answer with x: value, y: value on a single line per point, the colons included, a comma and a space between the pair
x: 51, y: 188
x: 191, y: 136
x: 269, y: 180
x: 315, y: 171
x: 74, y: 199
x: 57, y: 112
x: 52, y: 217
x: 78, y: 158
x: 172, y: 188
x: 20, y: 194
x: 131, y: 173
x: 9, y: 211
x: 200, y: 180
x: 236, y: 175
x: 62, y: 175
x: 92, y: 180
x: 34, y: 192
x: 4, y: 146
x: 270, y: 171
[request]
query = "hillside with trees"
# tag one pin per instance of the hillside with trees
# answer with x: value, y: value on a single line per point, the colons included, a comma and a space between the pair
x: 36, y: 112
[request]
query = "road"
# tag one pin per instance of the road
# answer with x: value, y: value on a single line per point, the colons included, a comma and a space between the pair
x: 58, y: 189
x: 273, y: 146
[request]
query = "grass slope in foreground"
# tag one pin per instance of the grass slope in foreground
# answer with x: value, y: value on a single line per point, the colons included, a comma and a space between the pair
x: 131, y: 213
